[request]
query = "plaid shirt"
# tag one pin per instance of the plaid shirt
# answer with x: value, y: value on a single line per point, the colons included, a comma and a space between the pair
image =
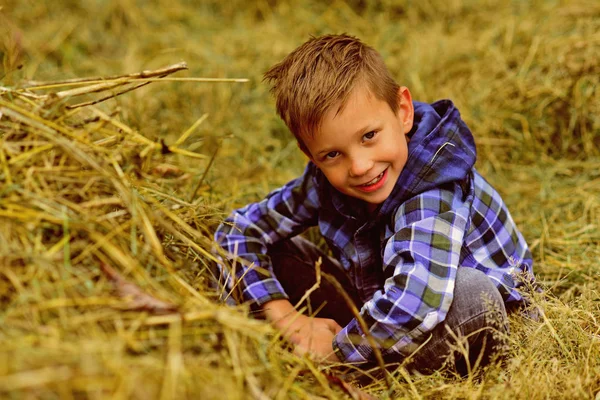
x: 441, y: 215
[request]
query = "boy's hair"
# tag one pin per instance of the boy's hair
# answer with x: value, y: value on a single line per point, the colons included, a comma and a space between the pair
x: 320, y: 74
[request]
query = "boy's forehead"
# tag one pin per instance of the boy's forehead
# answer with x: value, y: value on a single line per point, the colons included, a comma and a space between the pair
x: 352, y: 119
x: 360, y: 91
x: 310, y: 131
x: 356, y: 107
x: 350, y: 114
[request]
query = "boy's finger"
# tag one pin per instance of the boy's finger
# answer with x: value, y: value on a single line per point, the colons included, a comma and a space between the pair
x: 334, y: 327
x: 337, y: 329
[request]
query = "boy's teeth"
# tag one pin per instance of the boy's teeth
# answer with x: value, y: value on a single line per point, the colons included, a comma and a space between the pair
x: 374, y: 180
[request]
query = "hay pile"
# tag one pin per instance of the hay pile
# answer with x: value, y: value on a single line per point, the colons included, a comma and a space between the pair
x: 105, y: 272
x: 106, y: 210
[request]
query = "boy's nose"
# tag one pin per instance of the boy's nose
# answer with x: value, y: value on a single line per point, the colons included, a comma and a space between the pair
x: 360, y: 166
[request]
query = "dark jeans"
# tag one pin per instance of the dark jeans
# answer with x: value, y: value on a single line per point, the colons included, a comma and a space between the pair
x: 472, y: 333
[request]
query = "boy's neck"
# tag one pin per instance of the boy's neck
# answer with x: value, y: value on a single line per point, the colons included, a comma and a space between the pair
x: 372, y: 208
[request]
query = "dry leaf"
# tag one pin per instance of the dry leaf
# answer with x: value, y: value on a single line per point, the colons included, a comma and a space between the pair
x: 140, y: 301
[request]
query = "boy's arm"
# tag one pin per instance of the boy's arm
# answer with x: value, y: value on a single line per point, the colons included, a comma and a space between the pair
x: 246, y: 234
x: 423, y: 254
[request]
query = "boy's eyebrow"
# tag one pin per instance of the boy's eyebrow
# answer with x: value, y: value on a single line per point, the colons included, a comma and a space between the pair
x: 367, y: 128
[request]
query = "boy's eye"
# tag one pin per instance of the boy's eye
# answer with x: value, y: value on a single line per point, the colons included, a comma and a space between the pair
x: 331, y: 154
x: 369, y: 135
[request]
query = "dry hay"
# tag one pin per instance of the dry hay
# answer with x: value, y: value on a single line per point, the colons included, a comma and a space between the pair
x: 84, y: 197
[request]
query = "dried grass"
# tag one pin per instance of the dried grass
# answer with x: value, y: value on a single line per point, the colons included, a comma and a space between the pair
x: 139, y: 181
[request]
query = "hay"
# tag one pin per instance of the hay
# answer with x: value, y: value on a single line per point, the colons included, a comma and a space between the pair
x: 82, y: 192
x: 139, y: 181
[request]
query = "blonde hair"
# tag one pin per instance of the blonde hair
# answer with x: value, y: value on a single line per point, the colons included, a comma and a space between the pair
x: 321, y: 74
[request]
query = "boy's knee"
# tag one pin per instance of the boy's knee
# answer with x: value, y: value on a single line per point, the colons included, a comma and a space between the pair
x: 480, y: 311
x: 476, y: 294
x: 478, y: 322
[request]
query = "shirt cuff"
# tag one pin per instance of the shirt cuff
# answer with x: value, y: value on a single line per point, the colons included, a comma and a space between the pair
x: 265, y: 299
x: 259, y: 289
x: 351, y: 346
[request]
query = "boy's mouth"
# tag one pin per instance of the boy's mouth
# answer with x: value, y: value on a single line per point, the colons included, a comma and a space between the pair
x: 374, y: 183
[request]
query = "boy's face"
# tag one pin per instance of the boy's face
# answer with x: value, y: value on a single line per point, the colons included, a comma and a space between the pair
x: 363, y: 149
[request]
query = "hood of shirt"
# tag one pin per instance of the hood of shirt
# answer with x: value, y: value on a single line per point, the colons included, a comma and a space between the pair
x: 441, y: 150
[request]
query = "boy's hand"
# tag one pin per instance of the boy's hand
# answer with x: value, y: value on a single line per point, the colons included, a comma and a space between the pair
x: 309, y: 335
x: 313, y: 336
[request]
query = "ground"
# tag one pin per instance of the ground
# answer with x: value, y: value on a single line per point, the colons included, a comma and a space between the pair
x: 525, y: 76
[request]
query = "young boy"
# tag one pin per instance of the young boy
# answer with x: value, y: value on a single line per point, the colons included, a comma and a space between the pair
x: 423, y: 246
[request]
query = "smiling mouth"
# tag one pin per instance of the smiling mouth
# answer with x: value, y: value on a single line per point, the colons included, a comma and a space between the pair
x: 374, y: 180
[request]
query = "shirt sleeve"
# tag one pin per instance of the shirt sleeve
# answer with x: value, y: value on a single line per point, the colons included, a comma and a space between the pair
x: 246, y: 234
x: 423, y: 252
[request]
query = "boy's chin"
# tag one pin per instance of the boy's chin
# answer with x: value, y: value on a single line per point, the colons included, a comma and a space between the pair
x: 372, y: 202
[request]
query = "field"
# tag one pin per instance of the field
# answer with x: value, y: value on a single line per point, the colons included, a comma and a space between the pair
x: 106, y: 210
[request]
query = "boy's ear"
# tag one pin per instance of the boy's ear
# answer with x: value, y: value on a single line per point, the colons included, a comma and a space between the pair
x: 406, y: 109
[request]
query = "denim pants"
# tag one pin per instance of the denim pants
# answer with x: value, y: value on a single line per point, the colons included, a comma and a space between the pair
x: 473, y: 332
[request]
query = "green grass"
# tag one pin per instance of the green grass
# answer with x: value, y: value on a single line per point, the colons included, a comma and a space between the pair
x: 524, y: 74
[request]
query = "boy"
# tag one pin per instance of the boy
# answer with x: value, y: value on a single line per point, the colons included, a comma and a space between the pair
x: 421, y: 243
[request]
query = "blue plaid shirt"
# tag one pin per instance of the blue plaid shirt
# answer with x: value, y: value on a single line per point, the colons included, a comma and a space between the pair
x: 441, y: 215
